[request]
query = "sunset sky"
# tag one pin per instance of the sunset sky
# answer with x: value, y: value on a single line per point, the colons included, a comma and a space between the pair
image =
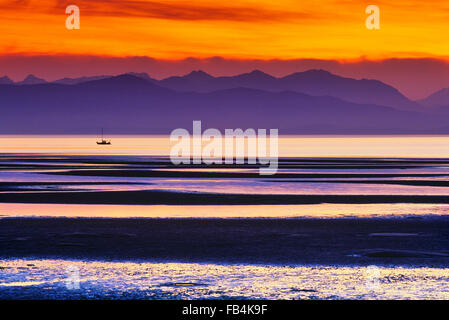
x: 241, y: 30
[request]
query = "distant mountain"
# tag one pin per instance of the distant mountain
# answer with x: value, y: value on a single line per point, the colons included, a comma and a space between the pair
x: 197, y: 81
x: 6, y: 80
x: 72, y: 81
x: 31, y: 79
x: 437, y: 99
x: 79, y: 80
x: 144, y: 76
x: 312, y: 82
x: 132, y: 104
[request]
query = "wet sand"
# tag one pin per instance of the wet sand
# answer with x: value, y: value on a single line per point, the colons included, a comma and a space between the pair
x: 47, y: 279
x: 188, y: 174
x: 284, y: 258
x: 419, y: 241
x: 150, y: 197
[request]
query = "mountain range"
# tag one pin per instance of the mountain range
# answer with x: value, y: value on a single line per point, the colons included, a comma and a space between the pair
x: 314, y: 102
x: 439, y: 100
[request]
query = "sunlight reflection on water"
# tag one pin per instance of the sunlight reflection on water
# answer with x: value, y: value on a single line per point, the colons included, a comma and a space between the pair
x: 289, y: 146
x: 325, y: 210
x: 122, y: 280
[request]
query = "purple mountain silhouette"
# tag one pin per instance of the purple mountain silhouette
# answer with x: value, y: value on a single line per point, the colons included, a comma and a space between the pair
x: 437, y: 99
x: 72, y: 81
x: 80, y: 80
x: 6, y: 80
x: 31, y: 79
x: 312, y: 82
x: 132, y: 104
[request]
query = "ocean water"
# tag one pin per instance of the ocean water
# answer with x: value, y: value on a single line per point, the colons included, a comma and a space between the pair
x: 315, y: 165
x: 66, y: 279
x: 319, y: 211
x: 402, y: 146
x: 311, y: 165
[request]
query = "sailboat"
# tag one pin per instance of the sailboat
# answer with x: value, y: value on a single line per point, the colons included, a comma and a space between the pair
x: 103, y: 141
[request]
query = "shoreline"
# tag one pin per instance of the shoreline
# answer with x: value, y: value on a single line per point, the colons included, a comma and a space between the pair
x: 47, y: 279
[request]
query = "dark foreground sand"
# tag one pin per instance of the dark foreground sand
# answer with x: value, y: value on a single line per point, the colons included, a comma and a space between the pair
x: 150, y: 197
x: 420, y: 241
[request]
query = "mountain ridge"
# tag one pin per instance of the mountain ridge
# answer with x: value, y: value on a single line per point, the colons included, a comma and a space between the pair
x: 128, y: 103
x: 436, y: 99
x: 316, y: 82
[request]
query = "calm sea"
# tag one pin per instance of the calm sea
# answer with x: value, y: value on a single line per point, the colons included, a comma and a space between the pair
x: 289, y: 146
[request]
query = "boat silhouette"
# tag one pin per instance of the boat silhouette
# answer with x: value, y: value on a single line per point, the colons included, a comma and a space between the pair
x: 103, y: 141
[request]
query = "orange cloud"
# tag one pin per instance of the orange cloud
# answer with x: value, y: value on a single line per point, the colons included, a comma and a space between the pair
x: 242, y: 29
x: 185, y: 11
x: 169, y: 10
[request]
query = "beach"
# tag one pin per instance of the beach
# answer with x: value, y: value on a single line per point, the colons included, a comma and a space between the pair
x: 363, y: 258
x: 346, y: 241
x: 138, y: 227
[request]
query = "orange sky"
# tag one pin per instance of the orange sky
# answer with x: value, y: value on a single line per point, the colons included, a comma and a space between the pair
x: 243, y: 29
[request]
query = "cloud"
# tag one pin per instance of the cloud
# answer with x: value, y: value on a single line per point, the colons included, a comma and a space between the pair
x: 168, y: 10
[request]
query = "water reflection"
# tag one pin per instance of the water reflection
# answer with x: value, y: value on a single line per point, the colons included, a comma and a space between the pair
x: 289, y: 146
x: 46, y: 279
x: 325, y: 210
